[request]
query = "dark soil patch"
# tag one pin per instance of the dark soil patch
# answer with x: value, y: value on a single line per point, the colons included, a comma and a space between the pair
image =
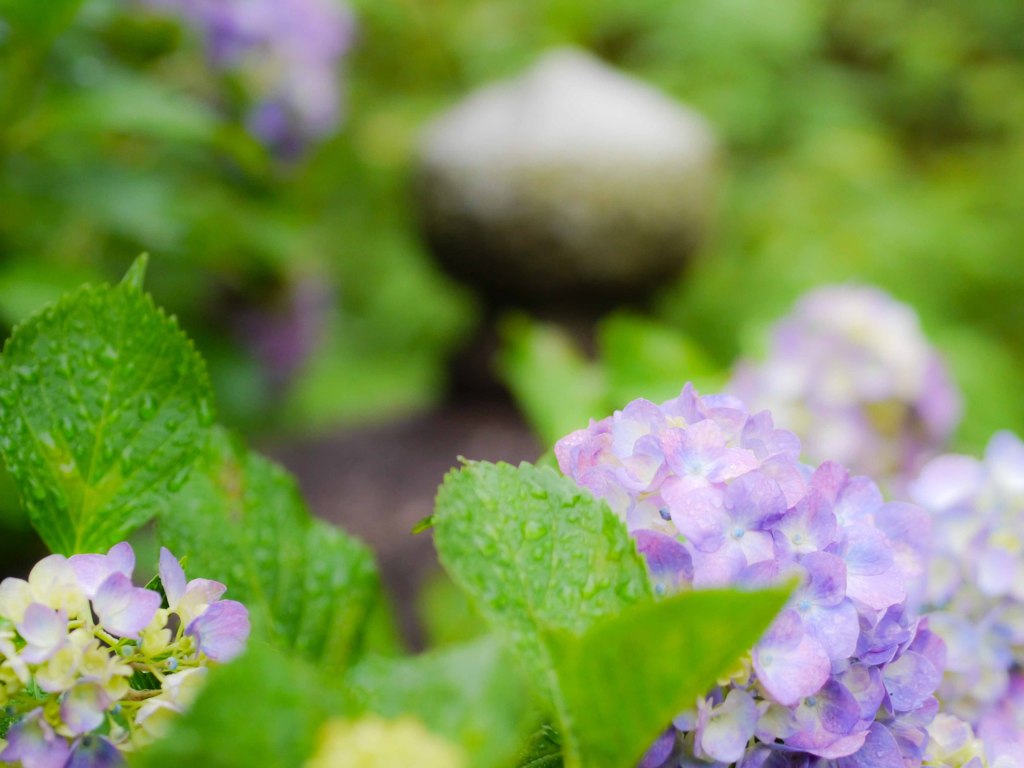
x: 378, y: 482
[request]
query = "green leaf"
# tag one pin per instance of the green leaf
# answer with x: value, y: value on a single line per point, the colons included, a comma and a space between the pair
x: 240, y: 520
x: 104, y: 406
x: 544, y: 750
x: 536, y: 553
x: 39, y: 19
x: 264, y: 708
x: 645, y: 358
x: 133, y: 105
x: 469, y: 694
x: 627, y: 676
x: 445, y: 612
x: 557, y: 389
x: 135, y: 277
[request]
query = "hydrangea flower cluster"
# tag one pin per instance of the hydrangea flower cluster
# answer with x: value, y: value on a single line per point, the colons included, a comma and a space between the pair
x: 975, y: 582
x: 286, y: 53
x: 851, y: 373
x: 91, y: 665
x: 715, y: 496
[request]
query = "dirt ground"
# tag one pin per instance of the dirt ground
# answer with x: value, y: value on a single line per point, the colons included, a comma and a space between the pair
x: 378, y: 482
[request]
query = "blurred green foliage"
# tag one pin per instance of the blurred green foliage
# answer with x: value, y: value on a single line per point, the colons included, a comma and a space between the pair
x: 876, y: 140
x: 116, y: 137
x: 559, y: 389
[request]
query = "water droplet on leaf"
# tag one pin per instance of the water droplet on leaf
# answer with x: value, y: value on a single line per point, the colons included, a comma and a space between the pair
x: 177, y: 480
x: 205, y: 412
x: 534, y: 530
x: 27, y: 374
x: 147, y: 408
x: 108, y: 356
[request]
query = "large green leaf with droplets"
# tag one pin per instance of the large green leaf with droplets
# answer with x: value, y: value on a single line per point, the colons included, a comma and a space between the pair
x: 104, y: 405
x: 240, y: 520
x: 536, y: 553
x: 543, y: 750
x: 628, y: 675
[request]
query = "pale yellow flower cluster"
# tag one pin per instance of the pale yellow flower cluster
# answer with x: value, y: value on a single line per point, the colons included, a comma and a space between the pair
x: 373, y: 742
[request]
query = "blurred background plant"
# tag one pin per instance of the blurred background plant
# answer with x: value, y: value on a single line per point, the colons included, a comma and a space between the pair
x: 267, y: 167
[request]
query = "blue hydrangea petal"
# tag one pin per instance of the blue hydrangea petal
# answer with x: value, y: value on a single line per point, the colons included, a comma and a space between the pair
x: 222, y: 630
x: 879, y: 751
x: 729, y: 727
x: 789, y: 664
x: 82, y: 708
x: 699, y: 514
x: 172, y: 577
x: 45, y: 630
x: 123, y: 609
x: 866, y: 685
x: 826, y: 718
x: 660, y: 750
x: 95, y: 752
x: 871, y: 577
x: 669, y: 562
x: 754, y: 501
x: 836, y: 628
x: 32, y: 742
x: 811, y: 526
x: 910, y: 680
x: 825, y: 583
x: 92, y: 570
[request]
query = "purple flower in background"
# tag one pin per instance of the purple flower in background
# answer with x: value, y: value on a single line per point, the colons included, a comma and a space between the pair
x: 284, y: 332
x: 1001, y: 728
x: 714, y: 496
x: 975, y: 575
x: 286, y: 53
x: 851, y: 373
x: 952, y: 744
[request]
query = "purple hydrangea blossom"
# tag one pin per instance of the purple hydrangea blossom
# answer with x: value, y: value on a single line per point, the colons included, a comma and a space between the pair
x: 33, y: 743
x: 220, y: 627
x: 715, y: 496
x: 77, y: 629
x: 975, y: 578
x: 94, y: 752
x: 851, y: 373
x: 1001, y: 727
x: 286, y: 52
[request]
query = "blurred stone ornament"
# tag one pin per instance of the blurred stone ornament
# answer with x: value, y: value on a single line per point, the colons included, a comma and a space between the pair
x: 571, y: 181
